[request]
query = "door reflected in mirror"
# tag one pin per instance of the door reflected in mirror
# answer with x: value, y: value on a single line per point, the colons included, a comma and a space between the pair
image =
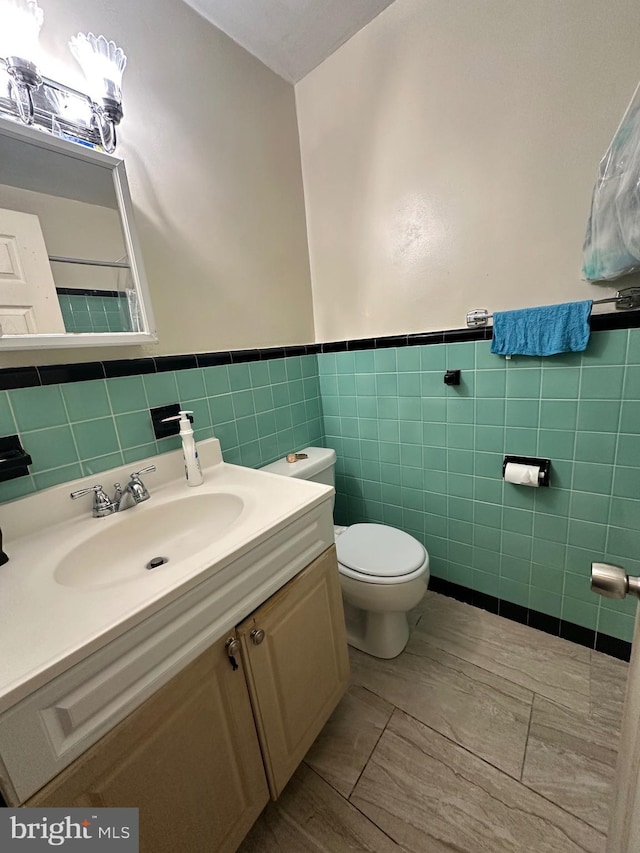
x: 69, y: 264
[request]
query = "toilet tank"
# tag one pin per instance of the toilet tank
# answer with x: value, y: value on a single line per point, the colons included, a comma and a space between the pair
x: 319, y: 467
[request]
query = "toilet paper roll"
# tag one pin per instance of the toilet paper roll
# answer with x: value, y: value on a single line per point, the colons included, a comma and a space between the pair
x: 522, y: 475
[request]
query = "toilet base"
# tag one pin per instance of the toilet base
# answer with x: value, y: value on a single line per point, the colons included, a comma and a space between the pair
x: 382, y: 635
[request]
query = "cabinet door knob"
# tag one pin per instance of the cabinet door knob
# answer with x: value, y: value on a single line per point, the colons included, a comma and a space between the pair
x: 232, y: 647
x: 257, y: 635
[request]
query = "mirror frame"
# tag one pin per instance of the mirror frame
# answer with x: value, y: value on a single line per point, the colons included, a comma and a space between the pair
x: 115, y: 165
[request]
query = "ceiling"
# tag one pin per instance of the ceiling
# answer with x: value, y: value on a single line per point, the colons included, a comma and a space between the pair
x: 290, y: 36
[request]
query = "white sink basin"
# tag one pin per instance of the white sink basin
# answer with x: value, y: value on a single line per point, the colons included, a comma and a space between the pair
x: 124, y: 544
x: 76, y: 586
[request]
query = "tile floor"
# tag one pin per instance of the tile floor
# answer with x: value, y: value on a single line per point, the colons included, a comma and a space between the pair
x: 483, y: 736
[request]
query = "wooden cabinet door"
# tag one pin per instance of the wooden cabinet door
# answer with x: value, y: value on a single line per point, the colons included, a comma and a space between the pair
x: 188, y: 758
x: 300, y: 670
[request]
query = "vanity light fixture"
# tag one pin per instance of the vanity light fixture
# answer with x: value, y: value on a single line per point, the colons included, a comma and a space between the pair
x: 29, y: 97
x: 103, y: 63
x: 20, y: 23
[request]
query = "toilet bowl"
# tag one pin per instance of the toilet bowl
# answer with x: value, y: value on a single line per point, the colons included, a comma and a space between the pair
x: 384, y: 572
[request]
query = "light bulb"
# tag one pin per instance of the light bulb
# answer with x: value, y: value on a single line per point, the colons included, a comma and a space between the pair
x: 20, y: 23
x: 103, y: 63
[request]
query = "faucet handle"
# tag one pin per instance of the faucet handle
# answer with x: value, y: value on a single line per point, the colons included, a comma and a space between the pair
x: 80, y: 493
x: 146, y: 470
x: 102, y: 504
x: 136, y: 487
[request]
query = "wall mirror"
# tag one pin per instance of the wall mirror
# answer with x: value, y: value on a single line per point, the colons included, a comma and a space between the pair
x: 71, y: 272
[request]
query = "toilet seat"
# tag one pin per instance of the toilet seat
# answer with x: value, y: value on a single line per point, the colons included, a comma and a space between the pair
x: 377, y: 553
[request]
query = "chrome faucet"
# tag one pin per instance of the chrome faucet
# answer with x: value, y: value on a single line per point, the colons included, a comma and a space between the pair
x: 102, y: 503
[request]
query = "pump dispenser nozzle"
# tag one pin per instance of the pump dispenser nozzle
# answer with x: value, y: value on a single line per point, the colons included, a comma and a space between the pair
x: 192, y: 470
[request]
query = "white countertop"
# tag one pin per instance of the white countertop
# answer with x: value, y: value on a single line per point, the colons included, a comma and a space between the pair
x: 47, y: 627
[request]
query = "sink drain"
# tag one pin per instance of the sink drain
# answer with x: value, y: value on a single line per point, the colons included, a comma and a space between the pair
x: 154, y: 562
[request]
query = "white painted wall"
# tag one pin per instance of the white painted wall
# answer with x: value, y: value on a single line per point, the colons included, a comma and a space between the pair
x: 210, y: 142
x: 449, y: 152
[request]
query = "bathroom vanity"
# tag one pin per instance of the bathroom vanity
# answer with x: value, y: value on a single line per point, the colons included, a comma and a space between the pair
x: 201, y: 702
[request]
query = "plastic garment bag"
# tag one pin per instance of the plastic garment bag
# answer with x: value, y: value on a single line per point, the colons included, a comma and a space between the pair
x: 612, y: 243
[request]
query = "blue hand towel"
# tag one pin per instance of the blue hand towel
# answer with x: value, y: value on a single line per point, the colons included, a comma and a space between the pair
x: 546, y: 330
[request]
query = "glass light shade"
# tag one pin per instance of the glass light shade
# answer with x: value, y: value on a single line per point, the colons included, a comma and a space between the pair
x: 102, y: 62
x: 20, y: 23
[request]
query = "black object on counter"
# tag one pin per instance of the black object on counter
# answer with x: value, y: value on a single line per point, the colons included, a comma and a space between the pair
x: 3, y: 557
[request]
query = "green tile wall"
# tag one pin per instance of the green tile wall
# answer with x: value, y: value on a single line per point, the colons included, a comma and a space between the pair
x: 259, y: 411
x: 412, y: 452
x: 94, y: 313
x: 426, y: 457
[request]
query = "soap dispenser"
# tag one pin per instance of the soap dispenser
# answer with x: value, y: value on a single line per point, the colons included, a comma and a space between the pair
x: 192, y: 469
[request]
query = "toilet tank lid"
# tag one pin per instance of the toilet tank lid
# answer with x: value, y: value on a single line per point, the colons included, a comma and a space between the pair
x: 319, y: 459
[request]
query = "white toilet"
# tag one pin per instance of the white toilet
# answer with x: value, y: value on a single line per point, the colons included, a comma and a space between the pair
x: 384, y: 572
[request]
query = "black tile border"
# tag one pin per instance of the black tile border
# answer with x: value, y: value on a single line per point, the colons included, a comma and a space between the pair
x: 612, y: 321
x: 544, y: 622
x: 534, y: 619
x: 486, y: 602
x: 53, y: 374
x: 337, y: 346
x: 175, y: 362
x: 425, y: 339
x: 19, y: 377
x: 244, y: 355
x: 129, y: 367
x: 578, y: 634
x: 290, y: 352
x: 450, y: 336
x: 391, y: 341
x: 213, y: 359
x: 613, y: 646
x: 83, y: 371
x: 360, y: 344
x: 514, y: 612
x: 452, y: 590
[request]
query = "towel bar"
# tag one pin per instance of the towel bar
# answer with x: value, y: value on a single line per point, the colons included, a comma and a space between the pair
x: 625, y: 300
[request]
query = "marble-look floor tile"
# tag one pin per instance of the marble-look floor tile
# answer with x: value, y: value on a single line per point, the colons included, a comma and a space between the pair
x: 571, y: 760
x: 485, y: 714
x: 428, y: 794
x: 553, y: 667
x: 343, y: 747
x: 608, y: 687
x: 310, y: 817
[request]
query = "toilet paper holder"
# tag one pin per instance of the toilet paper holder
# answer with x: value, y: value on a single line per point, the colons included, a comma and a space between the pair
x: 543, y: 464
